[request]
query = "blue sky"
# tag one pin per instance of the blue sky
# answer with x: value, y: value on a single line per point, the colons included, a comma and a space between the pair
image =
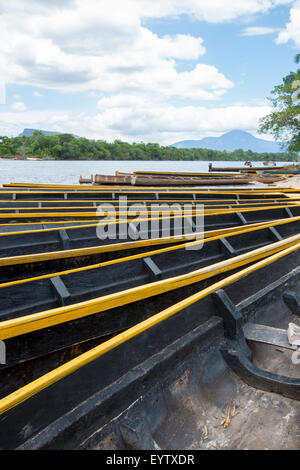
x: 143, y: 70
x: 255, y: 63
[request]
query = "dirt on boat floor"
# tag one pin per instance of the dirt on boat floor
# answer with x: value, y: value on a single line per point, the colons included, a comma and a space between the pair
x: 204, y: 410
x: 225, y: 413
x: 247, y: 419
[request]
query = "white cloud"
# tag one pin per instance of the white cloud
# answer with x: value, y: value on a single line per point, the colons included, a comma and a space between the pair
x: 18, y: 106
x: 213, y: 11
x: 2, y: 93
x: 143, y: 119
x: 138, y: 119
x: 96, y: 44
x: 259, y: 31
x: 37, y: 94
x: 292, y: 30
x: 106, y: 48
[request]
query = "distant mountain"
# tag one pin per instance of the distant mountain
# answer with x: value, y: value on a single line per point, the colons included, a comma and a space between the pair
x: 29, y: 132
x: 231, y: 141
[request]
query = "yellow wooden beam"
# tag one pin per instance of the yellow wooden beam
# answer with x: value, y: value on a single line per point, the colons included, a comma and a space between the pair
x: 146, y: 213
x: 21, y: 259
x: 31, y: 389
x: 89, y: 223
x: 86, y: 251
x: 103, y: 205
x: 48, y: 318
x: 149, y: 190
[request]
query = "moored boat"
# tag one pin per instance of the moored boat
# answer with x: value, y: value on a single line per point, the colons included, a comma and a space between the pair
x: 148, y: 343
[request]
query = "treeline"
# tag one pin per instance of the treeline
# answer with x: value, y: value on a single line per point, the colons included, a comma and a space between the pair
x: 68, y: 147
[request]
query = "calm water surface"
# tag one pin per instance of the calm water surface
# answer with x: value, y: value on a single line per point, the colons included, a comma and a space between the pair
x: 68, y: 172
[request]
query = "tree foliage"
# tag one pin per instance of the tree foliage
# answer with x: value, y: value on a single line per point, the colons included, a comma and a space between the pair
x: 68, y: 147
x: 284, y: 121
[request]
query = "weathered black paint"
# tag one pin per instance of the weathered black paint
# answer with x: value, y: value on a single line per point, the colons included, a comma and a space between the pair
x: 70, y: 412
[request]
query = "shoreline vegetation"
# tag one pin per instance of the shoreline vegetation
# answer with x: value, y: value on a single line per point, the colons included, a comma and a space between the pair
x: 68, y: 147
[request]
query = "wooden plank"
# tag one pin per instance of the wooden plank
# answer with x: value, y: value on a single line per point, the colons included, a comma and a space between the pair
x: 37, y: 321
x: 59, y: 373
x: 267, y: 335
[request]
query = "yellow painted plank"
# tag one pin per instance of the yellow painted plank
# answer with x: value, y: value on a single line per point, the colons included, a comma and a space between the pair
x: 48, y: 318
x: 37, y: 258
x: 260, y: 203
x: 207, y: 213
x: 188, y: 173
x: 5, y: 234
x: 82, y: 187
x: 125, y: 213
x: 150, y: 201
x: 47, y: 222
x: 31, y: 389
x: 108, y: 187
x: 45, y: 256
x: 148, y: 190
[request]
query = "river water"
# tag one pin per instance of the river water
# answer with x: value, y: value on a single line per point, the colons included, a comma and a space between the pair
x: 68, y: 172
